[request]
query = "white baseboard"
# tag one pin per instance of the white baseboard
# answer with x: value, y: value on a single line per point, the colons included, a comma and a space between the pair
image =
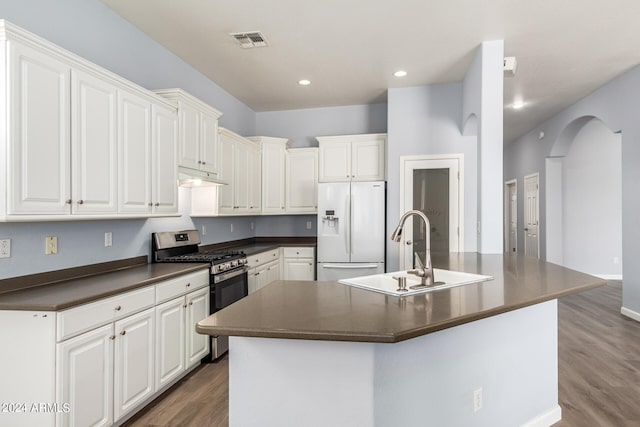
x: 547, y: 419
x: 630, y: 314
x: 609, y: 276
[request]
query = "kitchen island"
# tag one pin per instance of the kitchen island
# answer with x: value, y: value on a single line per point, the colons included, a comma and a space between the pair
x: 323, y: 353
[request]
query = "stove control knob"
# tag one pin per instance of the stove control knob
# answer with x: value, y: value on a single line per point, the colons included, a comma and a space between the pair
x: 233, y: 264
x: 222, y: 267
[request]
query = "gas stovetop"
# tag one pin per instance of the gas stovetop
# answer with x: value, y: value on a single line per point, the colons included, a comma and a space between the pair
x: 183, y: 246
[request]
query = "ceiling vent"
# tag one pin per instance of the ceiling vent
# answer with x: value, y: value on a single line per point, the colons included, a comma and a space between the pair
x: 250, y: 39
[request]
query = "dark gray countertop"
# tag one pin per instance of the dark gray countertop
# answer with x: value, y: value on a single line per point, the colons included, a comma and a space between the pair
x: 336, y: 312
x: 69, y: 293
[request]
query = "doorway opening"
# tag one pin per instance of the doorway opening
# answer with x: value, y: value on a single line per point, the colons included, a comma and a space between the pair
x: 432, y: 185
x: 511, y: 216
x: 531, y: 215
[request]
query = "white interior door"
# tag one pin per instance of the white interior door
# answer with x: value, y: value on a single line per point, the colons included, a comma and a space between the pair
x: 531, y: 215
x: 433, y: 185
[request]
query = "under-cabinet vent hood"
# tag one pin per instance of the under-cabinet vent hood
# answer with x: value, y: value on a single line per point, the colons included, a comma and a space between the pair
x: 197, y: 178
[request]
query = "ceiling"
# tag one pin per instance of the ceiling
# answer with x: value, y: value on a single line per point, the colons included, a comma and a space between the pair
x: 349, y: 49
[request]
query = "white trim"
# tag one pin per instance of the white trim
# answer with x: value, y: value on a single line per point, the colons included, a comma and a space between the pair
x: 547, y: 419
x: 630, y: 314
x: 608, y: 276
x: 507, y: 207
x: 460, y: 158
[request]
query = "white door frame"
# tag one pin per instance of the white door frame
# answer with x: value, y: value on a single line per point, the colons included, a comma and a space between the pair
x: 405, y: 163
x: 537, y: 175
x: 507, y: 213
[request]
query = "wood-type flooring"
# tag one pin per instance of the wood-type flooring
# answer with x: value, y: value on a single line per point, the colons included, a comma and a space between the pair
x: 599, y: 372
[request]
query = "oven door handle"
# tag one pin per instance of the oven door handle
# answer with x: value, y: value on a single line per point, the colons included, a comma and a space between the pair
x: 231, y: 274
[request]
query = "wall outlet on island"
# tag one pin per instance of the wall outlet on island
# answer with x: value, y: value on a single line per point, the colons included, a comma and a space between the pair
x: 477, y: 400
x: 108, y: 239
x: 204, y: 230
x: 308, y: 225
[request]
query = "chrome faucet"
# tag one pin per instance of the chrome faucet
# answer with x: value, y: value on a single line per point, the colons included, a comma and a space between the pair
x: 424, y: 269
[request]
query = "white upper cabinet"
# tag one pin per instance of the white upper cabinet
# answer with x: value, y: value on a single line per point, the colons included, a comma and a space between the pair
x: 38, y: 91
x: 198, y: 142
x: 240, y: 168
x: 273, y: 173
x: 80, y: 141
x: 302, y: 180
x: 134, y: 129
x: 352, y: 158
x: 93, y: 144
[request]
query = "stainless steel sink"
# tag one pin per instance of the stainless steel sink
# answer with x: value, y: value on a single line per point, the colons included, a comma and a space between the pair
x: 387, y: 283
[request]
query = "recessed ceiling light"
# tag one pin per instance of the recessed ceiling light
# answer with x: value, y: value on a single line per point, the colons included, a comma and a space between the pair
x: 304, y: 82
x: 517, y: 105
x: 400, y: 73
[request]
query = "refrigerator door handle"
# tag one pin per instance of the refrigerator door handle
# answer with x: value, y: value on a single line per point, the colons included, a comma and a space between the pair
x: 348, y: 266
x: 351, y: 209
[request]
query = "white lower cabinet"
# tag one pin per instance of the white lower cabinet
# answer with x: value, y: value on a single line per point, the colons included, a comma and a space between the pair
x: 178, y: 345
x: 134, y: 361
x: 84, y: 372
x: 264, y: 269
x: 298, y: 263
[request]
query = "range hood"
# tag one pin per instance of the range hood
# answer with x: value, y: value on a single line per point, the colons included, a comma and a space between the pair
x: 196, y: 178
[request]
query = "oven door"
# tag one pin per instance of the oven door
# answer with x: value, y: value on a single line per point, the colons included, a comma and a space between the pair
x: 228, y: 288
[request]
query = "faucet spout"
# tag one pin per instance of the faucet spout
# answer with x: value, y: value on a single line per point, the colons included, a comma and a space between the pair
x: 424, y: 269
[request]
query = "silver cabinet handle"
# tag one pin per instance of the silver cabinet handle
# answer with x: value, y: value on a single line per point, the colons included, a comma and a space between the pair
x: 184, y: 306
x: 123, y: 333
x: 68, y: 201
x: 188, y: 284
x: 80, y: 202
x: 118, y: 308
x: 112, y: 337
x: 408, y: 242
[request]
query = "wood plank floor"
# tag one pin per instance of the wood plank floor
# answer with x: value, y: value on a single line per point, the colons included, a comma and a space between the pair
x: 599, y: 372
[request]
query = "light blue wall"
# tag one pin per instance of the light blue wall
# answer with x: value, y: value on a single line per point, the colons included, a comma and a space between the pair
x: 617, y: 105
x: 426, y: 120
x: 302, y: 126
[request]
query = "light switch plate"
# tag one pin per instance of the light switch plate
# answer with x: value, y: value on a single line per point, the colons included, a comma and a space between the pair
x: 51, y: 245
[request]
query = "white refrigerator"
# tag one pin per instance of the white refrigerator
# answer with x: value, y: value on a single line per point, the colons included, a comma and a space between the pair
x: 351, y: 229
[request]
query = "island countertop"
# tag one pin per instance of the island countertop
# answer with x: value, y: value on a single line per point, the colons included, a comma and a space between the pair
x: 337, y: 312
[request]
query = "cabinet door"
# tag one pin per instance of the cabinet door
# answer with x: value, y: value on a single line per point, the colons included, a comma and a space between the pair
x: 84, y: 372
x: 252, y: 280
x: 273, y: 177
x: 170, y: 340
x: 335, y: 161
x: 302, y: 180
x: 93, y: 144
x: 261, y: 277
x: 39, y: 180
x: 273, y: 271
x: 189, y: 150
x: 254, y: 178
x: 241, y: 178
x: 134, y: 361
x: 197, y: 309
x: 298, y: 269
x: 368, y: 160
x: 134, y: 146
x: 209, y: 143
x: 226, y: 170
x: 165, y: 172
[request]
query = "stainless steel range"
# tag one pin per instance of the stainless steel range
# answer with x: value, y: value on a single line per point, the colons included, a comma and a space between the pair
x: 228, y: 272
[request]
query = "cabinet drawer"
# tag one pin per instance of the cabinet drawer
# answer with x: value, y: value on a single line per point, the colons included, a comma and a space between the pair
x: 301, y: 252
x: 88, y: 316
x: 181, y: 285
x: 262, y: 258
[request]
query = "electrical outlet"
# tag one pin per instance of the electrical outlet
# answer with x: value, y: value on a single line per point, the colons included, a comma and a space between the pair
x: 477, y: 400
x: 252, y: 225
x: 308, y: 225
x: 108, y: 239
x: 51, y: 245
x: 204, y: 230
x: 5, y: 248
x: 232, y: 228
